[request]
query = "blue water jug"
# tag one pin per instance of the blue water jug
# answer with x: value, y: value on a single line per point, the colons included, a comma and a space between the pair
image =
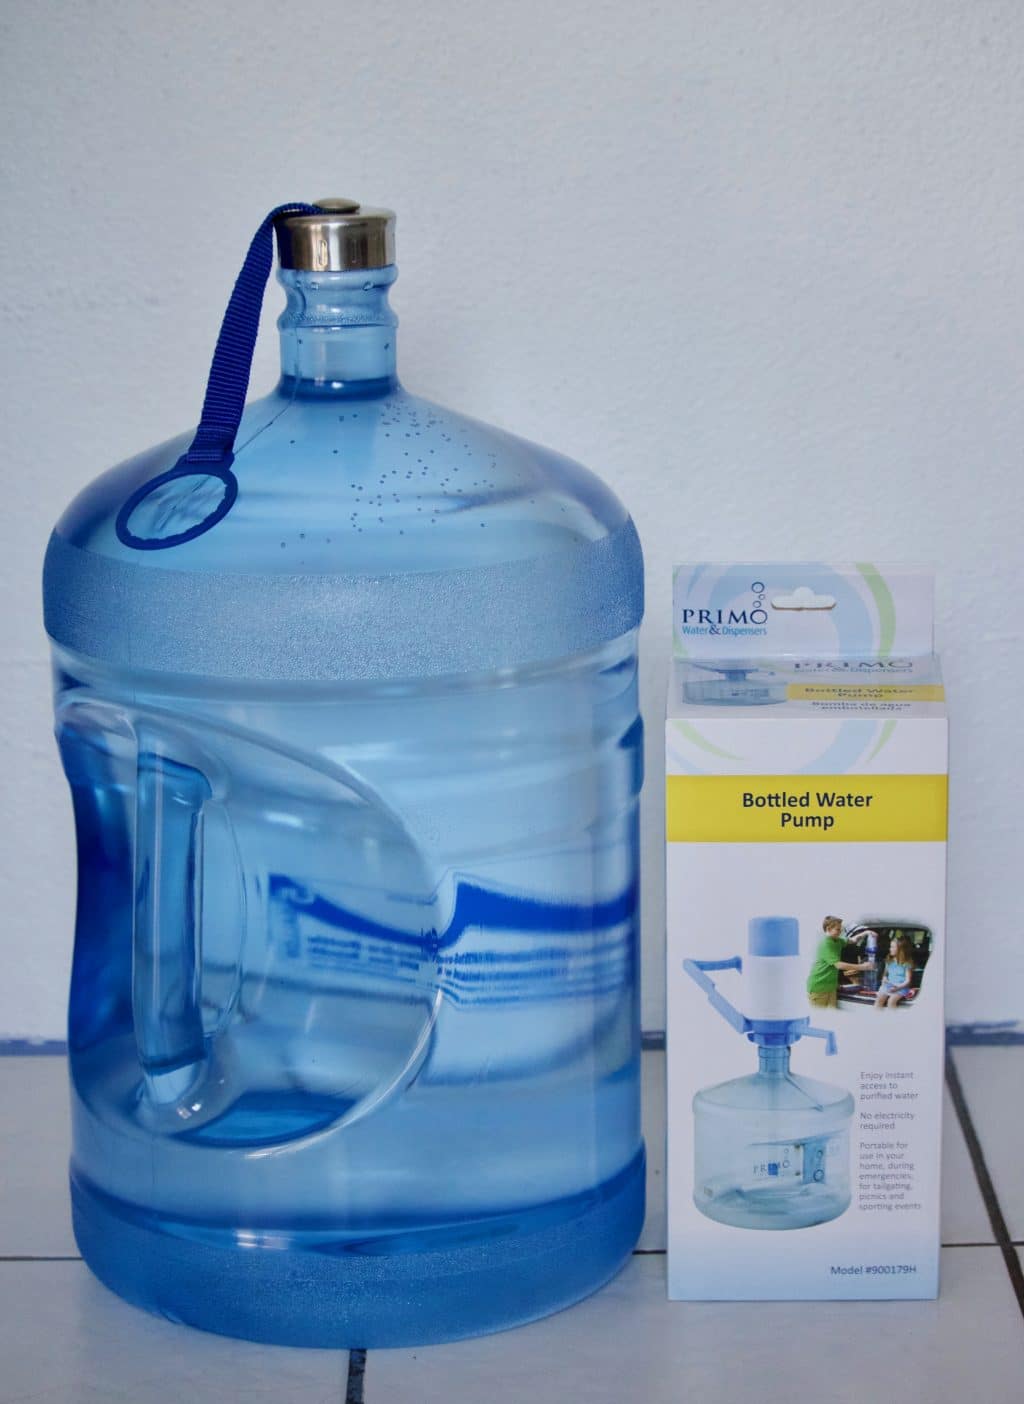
x: 346, y: 696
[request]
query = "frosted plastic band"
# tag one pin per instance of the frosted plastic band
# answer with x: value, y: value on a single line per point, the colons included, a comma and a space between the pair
x: 321, y: 627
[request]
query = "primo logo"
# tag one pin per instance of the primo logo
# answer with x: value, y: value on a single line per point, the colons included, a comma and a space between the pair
x: 715, y: 619
x: 853, y: 665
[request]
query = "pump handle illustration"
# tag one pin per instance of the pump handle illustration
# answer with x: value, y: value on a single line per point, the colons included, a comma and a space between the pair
x: 797, y: 1028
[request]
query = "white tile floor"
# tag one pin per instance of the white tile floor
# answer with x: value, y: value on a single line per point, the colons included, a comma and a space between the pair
x: 65, y: 1338
x: 997, y: 1108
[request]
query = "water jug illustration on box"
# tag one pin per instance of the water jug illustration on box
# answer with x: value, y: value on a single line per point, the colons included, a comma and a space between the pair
x: 740, y: 684
x: 772, y: 1150
x: 869, y: 978
x: 346, y: 697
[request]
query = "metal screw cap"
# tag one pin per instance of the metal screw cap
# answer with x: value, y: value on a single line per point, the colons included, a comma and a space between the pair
x: 346, y: 237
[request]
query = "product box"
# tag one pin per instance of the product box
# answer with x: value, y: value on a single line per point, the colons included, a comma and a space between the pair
x: 806, y: 753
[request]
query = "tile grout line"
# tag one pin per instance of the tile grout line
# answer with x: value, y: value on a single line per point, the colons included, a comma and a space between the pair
x: 985, y: 1243
x: 637, y: 1253
x: 1006, y: 1033
x: 356, y: 1376
x: 40, y: 1257
x: 979, y: 1243
x: 981, y: 1173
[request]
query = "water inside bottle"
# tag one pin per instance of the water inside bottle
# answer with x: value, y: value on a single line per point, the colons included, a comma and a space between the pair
x: 345, y: 1000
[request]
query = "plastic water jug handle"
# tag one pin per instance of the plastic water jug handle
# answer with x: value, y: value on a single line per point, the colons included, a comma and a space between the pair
x: 166, y: 966
x: 697, y: 970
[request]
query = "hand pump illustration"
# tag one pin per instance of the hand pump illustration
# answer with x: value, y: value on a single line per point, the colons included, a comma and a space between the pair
x: 740, y: 683
x: 772, y: 1149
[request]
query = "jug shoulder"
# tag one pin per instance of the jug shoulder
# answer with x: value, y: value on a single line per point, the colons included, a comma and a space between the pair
x: 348, y: 538
x: 387, y: 484
x: 756, y: 1093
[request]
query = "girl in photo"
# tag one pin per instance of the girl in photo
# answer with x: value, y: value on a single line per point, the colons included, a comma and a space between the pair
x: 899, y: 971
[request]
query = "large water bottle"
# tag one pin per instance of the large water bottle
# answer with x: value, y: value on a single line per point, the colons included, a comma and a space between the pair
x: 347, y: 702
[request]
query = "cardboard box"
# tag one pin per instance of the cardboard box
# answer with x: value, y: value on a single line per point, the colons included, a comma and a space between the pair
x: 806, y: 747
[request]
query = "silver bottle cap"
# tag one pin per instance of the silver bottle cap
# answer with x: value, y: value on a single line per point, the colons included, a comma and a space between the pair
x: 346, y: 237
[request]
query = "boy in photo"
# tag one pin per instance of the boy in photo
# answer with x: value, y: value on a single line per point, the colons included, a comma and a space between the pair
x: 823, y: 980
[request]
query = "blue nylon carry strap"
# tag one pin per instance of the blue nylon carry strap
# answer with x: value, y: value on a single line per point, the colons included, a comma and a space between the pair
x: 228, y: 381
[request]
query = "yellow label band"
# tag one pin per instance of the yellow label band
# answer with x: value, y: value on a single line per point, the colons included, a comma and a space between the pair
x: 866, y: 692
x: 806, y: 809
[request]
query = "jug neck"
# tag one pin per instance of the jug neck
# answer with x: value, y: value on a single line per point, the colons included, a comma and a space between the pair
x: 337, y: 333
x: 773, y: 1061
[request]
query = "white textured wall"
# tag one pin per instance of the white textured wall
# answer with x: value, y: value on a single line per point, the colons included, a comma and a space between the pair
x: 758, y: 264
